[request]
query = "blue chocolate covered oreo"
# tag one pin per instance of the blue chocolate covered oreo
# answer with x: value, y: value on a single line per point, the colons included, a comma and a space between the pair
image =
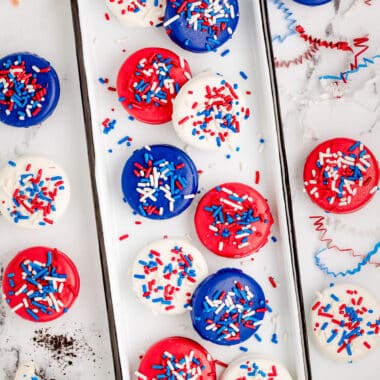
x: 312, y: 2
x: 201, y: 26
x: 228, y: 307
x: 29, y: 90
x: 159, y: 181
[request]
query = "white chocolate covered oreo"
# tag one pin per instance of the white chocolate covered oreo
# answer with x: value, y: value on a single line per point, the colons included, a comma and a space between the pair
x: 166, y: 273
x: 253, y: 368
x: 34, y: 192
x: 26, y: 371
x: 138, y: 13
x: 346, y: 322
x: 208, y: 111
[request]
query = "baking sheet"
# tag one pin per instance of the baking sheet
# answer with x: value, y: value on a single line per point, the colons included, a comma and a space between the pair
x: 45, y: 28
x: 106, y: 45
x: 313, y: 112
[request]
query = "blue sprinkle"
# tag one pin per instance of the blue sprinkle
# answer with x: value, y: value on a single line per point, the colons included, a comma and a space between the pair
x: 224, y: 52
x: 243, y: 75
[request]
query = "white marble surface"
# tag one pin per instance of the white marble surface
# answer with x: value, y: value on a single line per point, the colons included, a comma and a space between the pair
x: 314, y: 110
x: 45, y: 27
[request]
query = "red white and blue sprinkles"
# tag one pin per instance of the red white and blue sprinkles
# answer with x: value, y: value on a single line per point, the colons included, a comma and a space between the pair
x: 346, y: 322
x: 159, y: 181
x: 233, y: 220
x: 174, y: 367
x: 29, y: 89
x: 201, y: 26
x: 137, y: 13
x: 228, y: 307
x: 166, y: 273
x: 341, y: 175
x: 233, y: 309
x: 35, y: 288
x: 208, y: 111
x: 176, y: 358
x: 253, y: 368
x: 34, y: 192
x: 148, y: 81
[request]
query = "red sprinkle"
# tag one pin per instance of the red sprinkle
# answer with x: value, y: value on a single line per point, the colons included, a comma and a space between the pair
x: 257, y: 177
x: 273, y: 282
x: 220, y: 363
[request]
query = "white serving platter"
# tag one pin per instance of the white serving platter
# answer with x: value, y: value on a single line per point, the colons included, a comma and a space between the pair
x: 45, y: 27
x: 106, y: 45
x: 311, y: 116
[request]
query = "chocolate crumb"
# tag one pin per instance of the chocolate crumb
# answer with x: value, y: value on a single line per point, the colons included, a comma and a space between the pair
x: 63, y: 348
x: 42, y: 375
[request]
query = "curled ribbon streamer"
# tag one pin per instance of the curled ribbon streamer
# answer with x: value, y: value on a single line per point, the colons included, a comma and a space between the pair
x: 360, y: 67
x: 339, y: 45
x: 306, y: 56
x: 288, y: 16
x: 320, y: 226
x: 349, y: 272
x: 362, y: 43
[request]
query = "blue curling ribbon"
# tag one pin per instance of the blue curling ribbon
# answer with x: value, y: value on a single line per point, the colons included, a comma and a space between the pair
x: 361, y: 66
x: 349, y: 272
x: 289, y: 18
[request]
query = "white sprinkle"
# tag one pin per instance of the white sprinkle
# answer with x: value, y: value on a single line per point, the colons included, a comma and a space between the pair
x: 141, y: 376
x: 20, y: 290
x: 17, y: 307
x: 171, y: 20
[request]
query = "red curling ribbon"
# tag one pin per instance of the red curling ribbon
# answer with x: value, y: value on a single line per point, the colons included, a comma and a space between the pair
x: 339, y: 45
x: 306, y: 56
x: 361, y: 42
x: 320, y: 226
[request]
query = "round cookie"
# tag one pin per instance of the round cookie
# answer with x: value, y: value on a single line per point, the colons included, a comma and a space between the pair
x: 312, y: 2
x: 228, y: 307
x: 40, y: 284
x: 138, y: 13
x: 208, y: 111
x: 34, y: 192
x: 176, y: 358
x: 254, y: 368
x: 166, y: 273
x: 341, y: 175
x: 346, y: 322
x: 201, y: 27
x: 26, y: 371
x: 159, y: 181
x: 29, y: 89
x: 233, y: 220
x: 148, y: 81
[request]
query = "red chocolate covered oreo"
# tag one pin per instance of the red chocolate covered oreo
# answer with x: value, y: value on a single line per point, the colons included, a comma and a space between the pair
x: 341, y: 175
x: 176, y: 355
x: 40, y: 284
x: 233, y: 220
x: 148, y: 81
